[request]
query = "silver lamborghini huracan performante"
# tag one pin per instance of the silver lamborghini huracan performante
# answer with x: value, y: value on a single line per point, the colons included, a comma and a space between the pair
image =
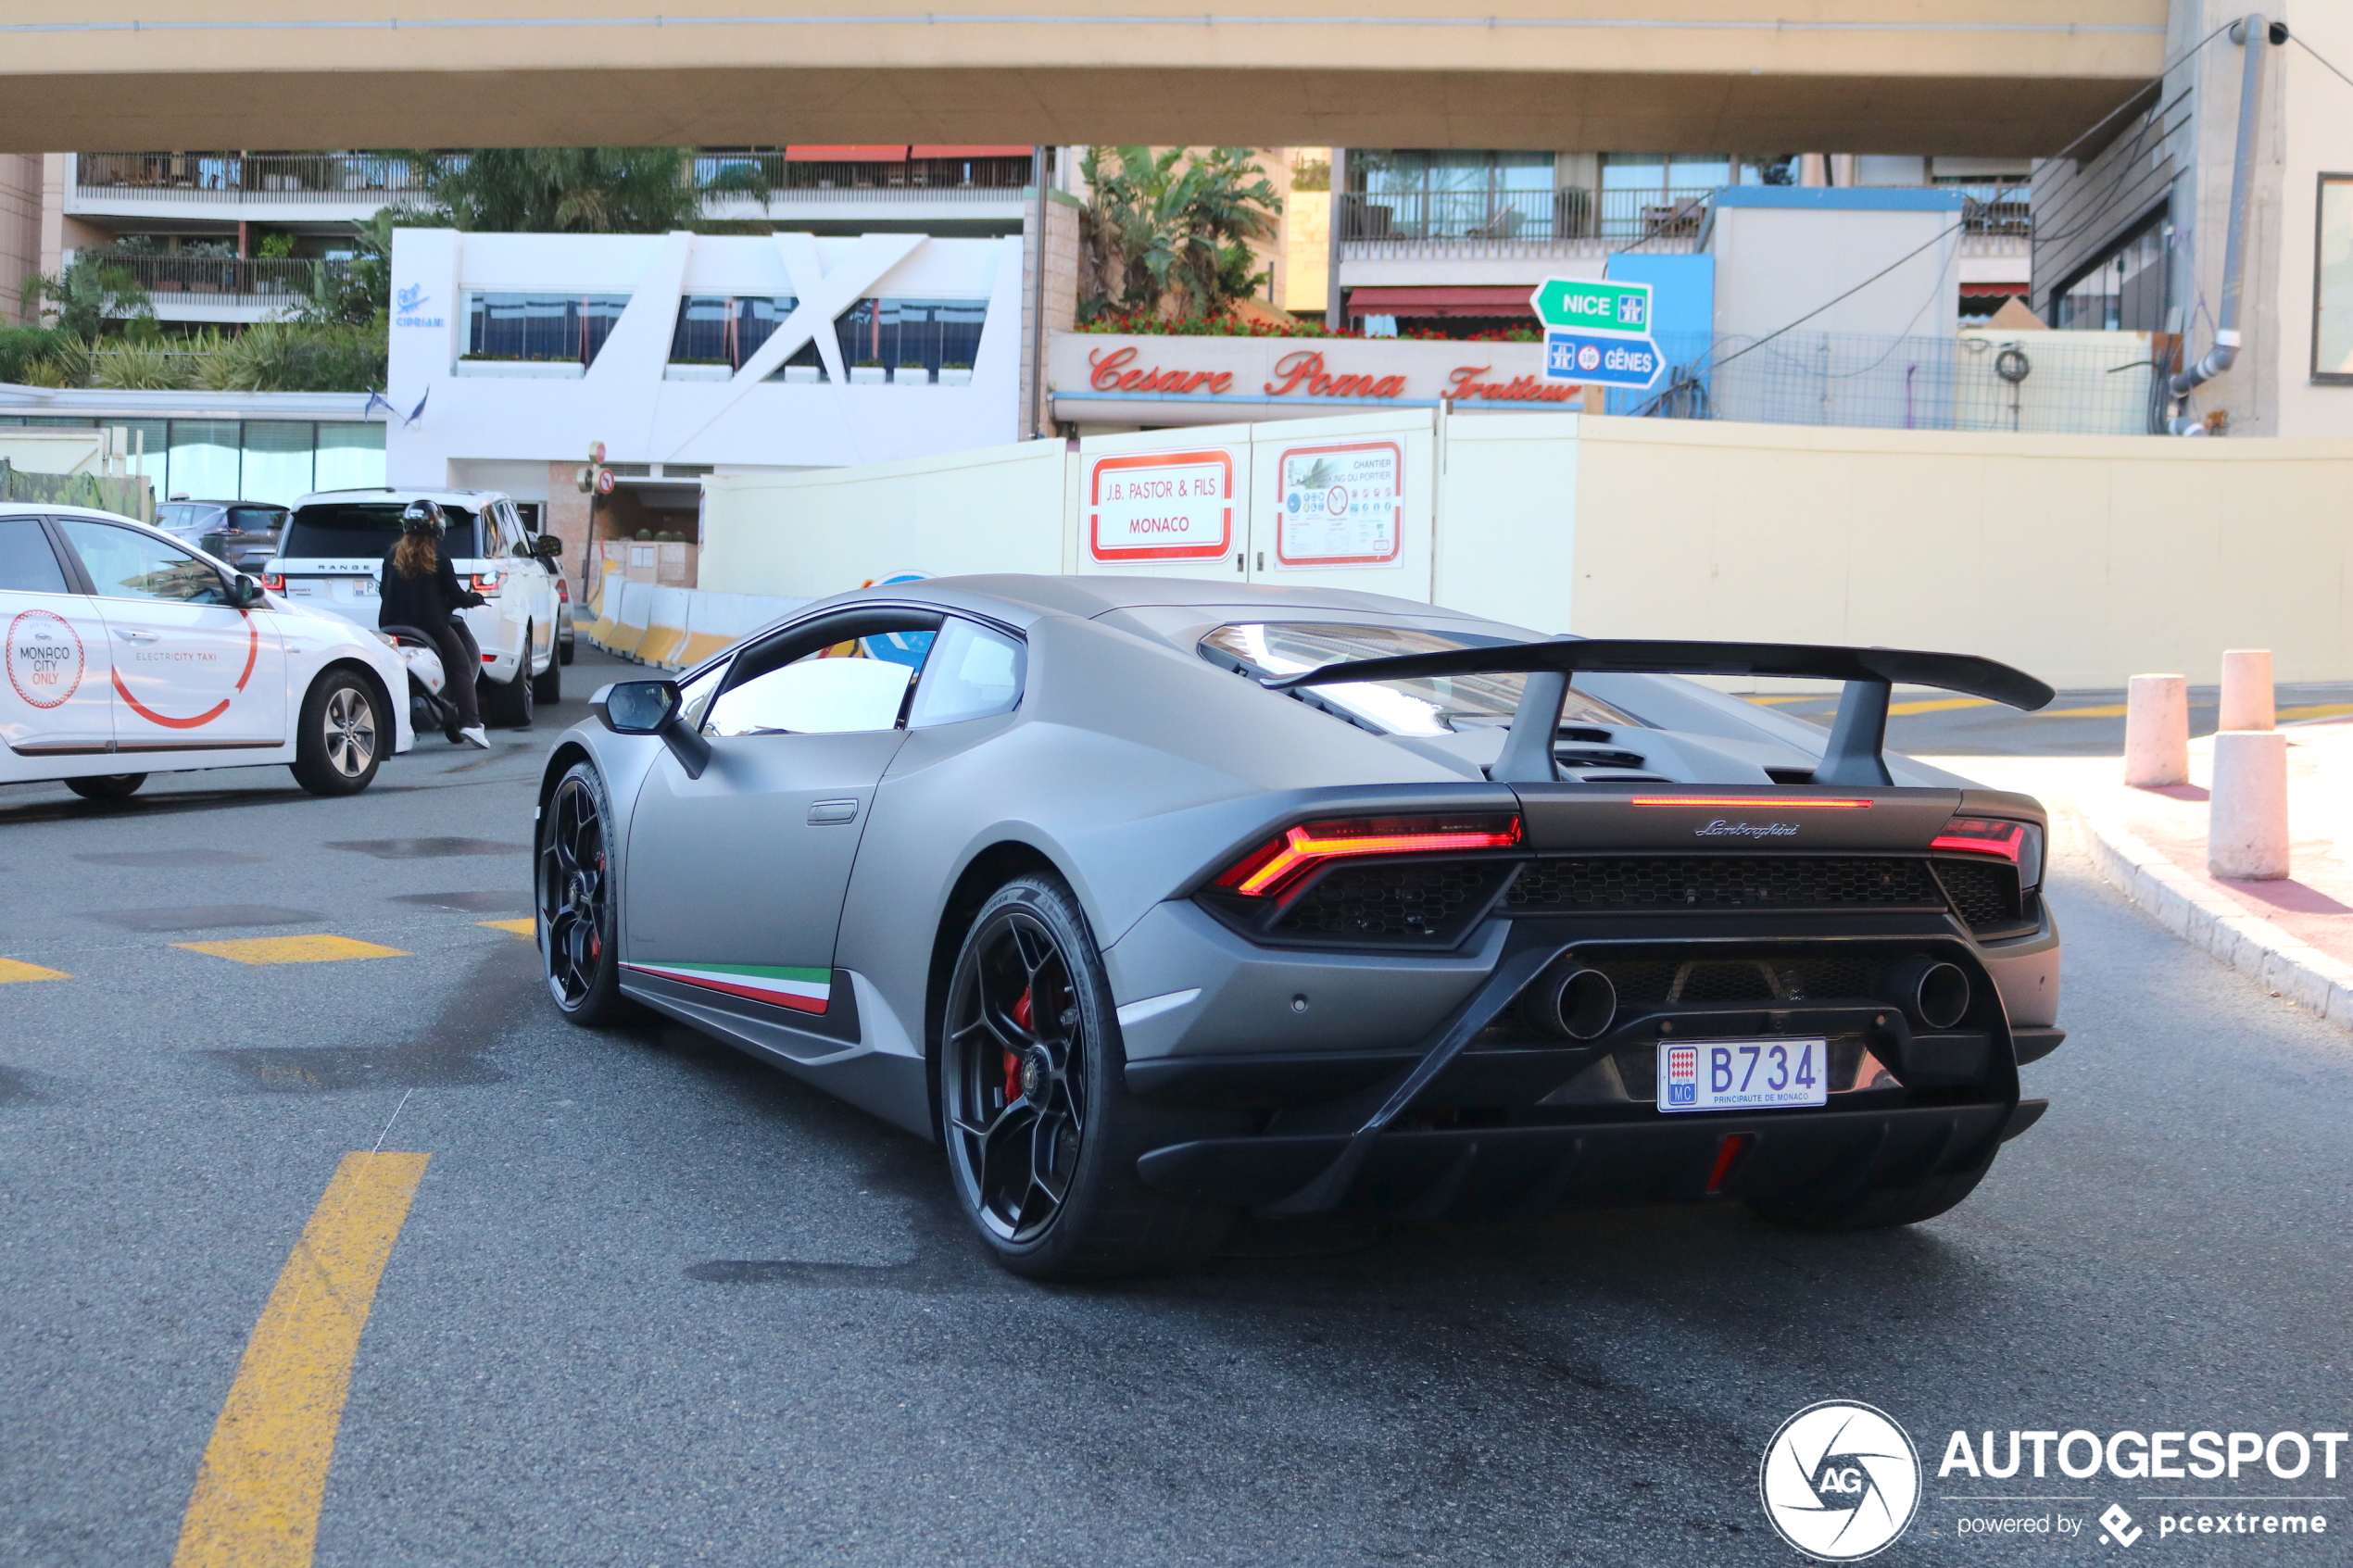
x: 1159, y: 902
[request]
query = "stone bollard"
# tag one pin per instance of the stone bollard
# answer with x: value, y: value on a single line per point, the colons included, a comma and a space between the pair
x: 2247, y: 823
x: 2156, y: 730
x: 2247, y: 690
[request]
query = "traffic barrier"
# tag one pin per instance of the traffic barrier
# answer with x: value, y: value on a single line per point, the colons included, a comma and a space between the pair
x: 605, y: 605
x: 2156, y: 730
x: 673, y: 628
x: 2246, y: 819
x: 2247, y: 690
x: 665, y: 627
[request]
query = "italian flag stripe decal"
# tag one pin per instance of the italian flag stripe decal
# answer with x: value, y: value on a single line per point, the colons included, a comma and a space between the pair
x: 803, y: 990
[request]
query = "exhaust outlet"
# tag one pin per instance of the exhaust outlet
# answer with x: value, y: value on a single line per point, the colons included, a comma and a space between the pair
x: 1572, y: 1004
x: 1934, y: 992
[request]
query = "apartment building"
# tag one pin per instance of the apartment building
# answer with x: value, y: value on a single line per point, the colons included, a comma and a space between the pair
x: 1455, y: 240
x: 225, y: 237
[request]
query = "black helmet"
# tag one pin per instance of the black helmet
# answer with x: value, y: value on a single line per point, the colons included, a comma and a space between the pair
x: 423, y: 517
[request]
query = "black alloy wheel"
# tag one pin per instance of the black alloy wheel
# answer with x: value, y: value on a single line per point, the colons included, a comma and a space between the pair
x: 574, y: 901
x: 1042, y: 1136
x: 1017, y: 1111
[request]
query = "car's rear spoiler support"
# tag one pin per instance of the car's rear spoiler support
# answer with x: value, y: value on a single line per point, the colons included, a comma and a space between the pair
x: 1855, y: 756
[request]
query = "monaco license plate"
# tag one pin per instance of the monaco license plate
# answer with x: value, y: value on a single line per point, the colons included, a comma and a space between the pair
x: 1743, y: 1074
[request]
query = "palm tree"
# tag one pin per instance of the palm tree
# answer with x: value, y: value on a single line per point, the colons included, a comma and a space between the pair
x: 563, y: 190
x: 1170, y: 233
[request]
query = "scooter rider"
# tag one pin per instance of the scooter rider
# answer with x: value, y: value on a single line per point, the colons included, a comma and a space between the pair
x: 419, y: 589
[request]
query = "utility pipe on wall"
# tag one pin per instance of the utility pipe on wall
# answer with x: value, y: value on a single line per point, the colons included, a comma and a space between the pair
x: 2252, y: 32
x: 1335, y: 310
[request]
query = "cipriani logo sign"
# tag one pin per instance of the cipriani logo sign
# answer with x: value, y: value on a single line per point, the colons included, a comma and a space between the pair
x: 408, y: 306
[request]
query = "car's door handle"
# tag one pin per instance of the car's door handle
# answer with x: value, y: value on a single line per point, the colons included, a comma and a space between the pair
x: 131, y: 636
x: 828, y: 811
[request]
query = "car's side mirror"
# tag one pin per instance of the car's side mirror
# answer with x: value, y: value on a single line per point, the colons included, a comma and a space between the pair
x: 243, y: 591
x: 547, y: 546
x: 652, y: 707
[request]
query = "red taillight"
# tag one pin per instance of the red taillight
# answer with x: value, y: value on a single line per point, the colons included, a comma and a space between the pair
x: 1771, y: 802
x: 1982, y: 835
x: 564, y: 590
x: 1280, y: 862
x: 485, y: 582
x: 274, y: 580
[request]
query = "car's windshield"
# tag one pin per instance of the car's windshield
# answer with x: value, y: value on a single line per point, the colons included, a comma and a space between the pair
x: 1430, y: 707
x: 355, y: 529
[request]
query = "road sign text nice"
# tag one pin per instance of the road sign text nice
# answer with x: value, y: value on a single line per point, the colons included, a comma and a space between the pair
x: 1589, y: 306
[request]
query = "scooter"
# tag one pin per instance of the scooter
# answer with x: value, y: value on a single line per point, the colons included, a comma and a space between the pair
x: 428, y: 709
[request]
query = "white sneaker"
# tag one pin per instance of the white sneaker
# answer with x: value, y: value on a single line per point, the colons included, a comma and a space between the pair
x: 473, y: 735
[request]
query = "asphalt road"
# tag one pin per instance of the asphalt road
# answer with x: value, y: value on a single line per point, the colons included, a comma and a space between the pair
x: 657, y: 1305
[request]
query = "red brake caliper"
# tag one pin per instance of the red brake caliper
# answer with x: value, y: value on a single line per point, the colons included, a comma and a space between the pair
x: 1024, y: 1014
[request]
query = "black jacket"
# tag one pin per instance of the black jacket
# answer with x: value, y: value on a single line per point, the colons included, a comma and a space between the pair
x: 427, y: 603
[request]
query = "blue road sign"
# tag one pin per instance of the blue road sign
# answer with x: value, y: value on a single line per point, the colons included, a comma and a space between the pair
x: 1601, y: 361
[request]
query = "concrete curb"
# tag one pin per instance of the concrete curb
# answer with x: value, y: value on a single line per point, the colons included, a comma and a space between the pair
x: 2199, y: 915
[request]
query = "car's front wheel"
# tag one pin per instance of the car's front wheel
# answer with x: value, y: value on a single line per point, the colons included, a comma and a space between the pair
x: 1042, y: 1136
x: 339, y: 744
x: 576, y: 915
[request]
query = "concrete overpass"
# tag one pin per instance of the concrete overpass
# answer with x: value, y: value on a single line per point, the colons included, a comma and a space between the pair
x: 1959, y: 77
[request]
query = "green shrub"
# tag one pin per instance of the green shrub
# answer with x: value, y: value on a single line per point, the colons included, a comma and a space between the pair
x: 297, y: 356
x: 145, y: 367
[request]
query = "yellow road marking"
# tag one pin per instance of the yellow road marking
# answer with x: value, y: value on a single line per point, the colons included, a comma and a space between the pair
x: 2317, y: 711
x: 1802, y: 697
x: 1936, y: 705
x: 2106, y: 711
x: 257, y: 1499
x: 527, y: 929
x: 12, y: 970
x: 318, y: 948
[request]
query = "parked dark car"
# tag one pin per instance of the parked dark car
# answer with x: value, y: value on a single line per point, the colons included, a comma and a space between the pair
x: 243, y: 534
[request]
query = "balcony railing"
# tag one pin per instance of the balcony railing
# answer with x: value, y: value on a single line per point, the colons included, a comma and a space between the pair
x: 773, y: 176
x: 271, y: 280
x: 1477, y: 223
x: 250, y: 178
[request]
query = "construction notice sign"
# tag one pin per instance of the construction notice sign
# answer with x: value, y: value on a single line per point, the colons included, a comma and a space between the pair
x: 1342, y: 504
x: 1161, y: 506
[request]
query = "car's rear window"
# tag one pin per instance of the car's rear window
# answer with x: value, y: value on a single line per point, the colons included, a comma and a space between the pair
x: 255, y: 520
x: 349, y: 530
x: 182, y: 514
x: 1429, y: 706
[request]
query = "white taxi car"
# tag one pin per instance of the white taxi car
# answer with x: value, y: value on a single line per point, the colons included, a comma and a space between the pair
x: 127, y: 650
x: 333, y: 549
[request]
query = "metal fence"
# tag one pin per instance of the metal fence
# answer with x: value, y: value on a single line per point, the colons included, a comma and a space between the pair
x: 259, y: 277
x: 771, y: 176
x: 2073, y: 384
x: 384, y: 178
x: 1627, y: 217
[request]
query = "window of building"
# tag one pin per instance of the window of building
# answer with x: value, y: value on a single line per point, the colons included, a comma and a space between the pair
x: 1407, y: 194
x: 901, y: 335
x: 720, y: 330
x: 541, y: 326
x: 2332, y: 282
x: 2125, y: 291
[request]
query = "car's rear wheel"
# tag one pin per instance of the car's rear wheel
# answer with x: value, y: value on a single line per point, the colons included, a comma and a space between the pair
x: 1876, y: 1209
x: 338, y: 746
x: 1042, y: 1136
x: 574, y: 899
x: 548, y: 686
x: 507, y: 704
x: 108, y: 787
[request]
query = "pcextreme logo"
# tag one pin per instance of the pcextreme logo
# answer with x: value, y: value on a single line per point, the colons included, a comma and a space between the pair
x: 1840, y: 1481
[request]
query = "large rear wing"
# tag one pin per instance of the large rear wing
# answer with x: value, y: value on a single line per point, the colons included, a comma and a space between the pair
x: 1858, y: 736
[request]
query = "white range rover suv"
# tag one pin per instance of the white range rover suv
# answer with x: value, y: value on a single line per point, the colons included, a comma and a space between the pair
x: 333, y: 550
